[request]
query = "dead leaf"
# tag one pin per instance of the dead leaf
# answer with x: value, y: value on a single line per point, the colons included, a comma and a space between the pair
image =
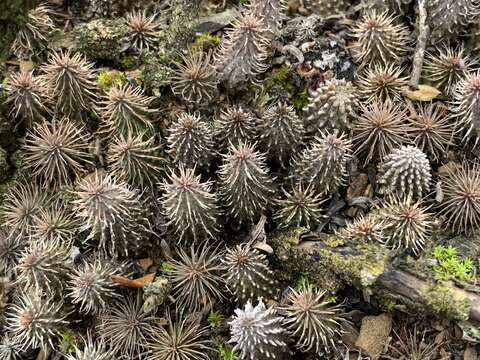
x: 263, y: 247
x: 145, y: 263
x: 133, y: 283
x: 424, y: 93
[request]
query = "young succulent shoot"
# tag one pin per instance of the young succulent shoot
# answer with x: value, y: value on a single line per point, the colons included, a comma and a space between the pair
x: 43, y: 266
x: 382, y: 82
x: 182, y: 340
x: 460, y: 203
x: 56, y: 152
x: 302, y: 206
x: 33, y: 37
x: 323, y: 165
x: 112, y: 213
x: 36, y: 321
x: 378, y: 129
x: 331, y: 106
x: 190, y: 205
x: 144, y: 30
x: 71, y: 80
x: 258, y: 332
x: 378, y: 38
x: 236, y: 125
x: 406, y: 170
x: 243, y: 51
x: 11, y: 348
x: 124, y: 110
x: 451, y: 17
x: 196, y: 277
x: 281, y: 132
x: 91, y: 350
x: 135, y: 160
x: 247, y: 273
x: 313, y: 320
x: 10, y: 247
x: 407, y: 224
x: 432, y: 131
x: 271, y: 13
x: 126, y: 328
x: 54, y: 224
x: 245, y: 184
x: 364, y: 229
x: 190, y: 140
x: 195, y: 78
x: 446, y: 66
x: 19, y: 207
x: 28, y: 98
x: 91, y: 287
x: 466, y: 105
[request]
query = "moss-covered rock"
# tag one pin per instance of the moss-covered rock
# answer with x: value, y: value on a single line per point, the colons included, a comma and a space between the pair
x: 102, y: 39
x: 446, y: 301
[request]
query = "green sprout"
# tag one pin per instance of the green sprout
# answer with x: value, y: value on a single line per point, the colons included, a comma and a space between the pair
x: 451, y: 266
x: 214, y: 318
x: 226, y: 353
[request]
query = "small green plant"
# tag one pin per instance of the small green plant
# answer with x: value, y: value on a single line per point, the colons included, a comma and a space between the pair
x: 166, y: 267
x: 108, y: 79
x: 68, y: 342
x: 304, y: 282
x: 451, y: 266
x: 206, y: 40
x: 226, y: 353
x: 214, y: 318
x: 127, y: 62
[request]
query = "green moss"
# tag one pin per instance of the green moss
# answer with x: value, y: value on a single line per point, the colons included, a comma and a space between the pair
x: 226, y: 353
x: 68, y: 342
x: 305, y: 282
x: 451, y: 266
x: 102, y: 39
x: 214, y: 318
x: 127, y: 62
x: 155, y: 73
x: 445, y: 301
x: 206, y: 41
x: 289, y: 82
x: 281, y: 78
x: 108, y: 79
x: 166, y: 267
x: 300, y: 101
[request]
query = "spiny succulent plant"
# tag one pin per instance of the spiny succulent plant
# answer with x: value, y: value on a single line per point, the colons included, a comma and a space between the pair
x: 271, y: 13
x: 91, y: 286
x: 195, y: 78
x: 10, y: 247
x: 144, y: 30
x: 323, y: 165
x: 243, y: 51
x: 446, y: 66
x: 281, y: 132
x: 247, y: 273
x: 235, y: 125
x: 407, y: 224
x: 466, y: 104
x: 300, y: 207
x: 446, y: 16
x: 56, y: 152
x: 190, y: 140
x: 246, y: 185
x: 379, y: 128
x: 190, y: 205
x: 312, y: 319
x: 19, y: 207
x: 28, y: 98
x: 126, y: 328
x: 331, y: 106
x: 54, y: 224
x: 91, y: 350
x: 432, y: 131
x: 112, y: 213
x: 124, y: 110
x: 135, y: 160
x: 326, y: 8
x: 33, y: 36
x: 406, y: 170
x: 258, y: 333
x: 410, y: 346
x: 183, y: 340
x: 43, y: 266
x: 460, y: 204
x: 196, y: 277
x: 381, y: 82
x: 377, y: 37
x: 72, y: 82
x: 36, y: 321
x: 10, y: 348
x: 364, y: 229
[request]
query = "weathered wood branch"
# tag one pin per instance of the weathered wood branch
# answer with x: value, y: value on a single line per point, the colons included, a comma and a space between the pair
x: 424, y: 35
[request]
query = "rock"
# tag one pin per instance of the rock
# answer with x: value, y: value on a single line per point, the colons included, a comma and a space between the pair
x: 470, y: 353
x: 215, y: 22
x: 374, y: 333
